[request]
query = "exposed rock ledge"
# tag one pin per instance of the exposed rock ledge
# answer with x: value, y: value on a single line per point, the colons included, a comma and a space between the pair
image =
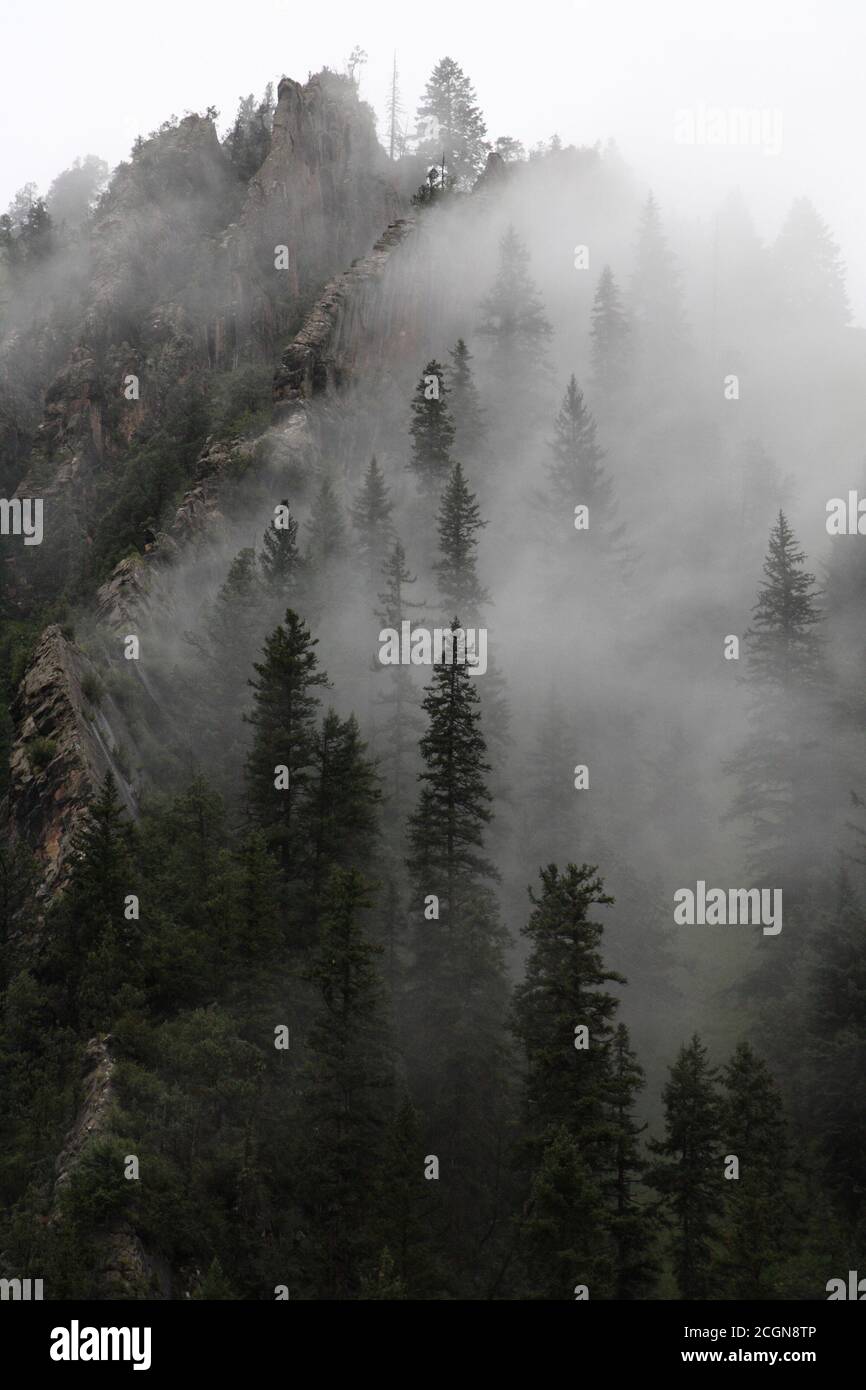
x: 64, y: 746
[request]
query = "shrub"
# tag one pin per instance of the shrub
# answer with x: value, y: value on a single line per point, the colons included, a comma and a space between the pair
x: 40, y: 751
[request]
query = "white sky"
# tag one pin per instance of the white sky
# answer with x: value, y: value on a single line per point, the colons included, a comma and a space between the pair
x: 87, y: 78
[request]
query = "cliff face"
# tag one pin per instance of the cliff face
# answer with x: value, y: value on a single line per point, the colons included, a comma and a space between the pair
x: 179, y: 280
x: 69, y: 732
x: 69, y: 727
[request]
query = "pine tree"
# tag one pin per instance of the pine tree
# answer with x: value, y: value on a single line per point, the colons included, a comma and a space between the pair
x: 456, y: 991
x: 371, y: 518
x: 689, y: 1170
x: 432, y: 430
x: 326, y: 530
x: 280, y: 559
x: 563, y: 1228
x: 88, y: 958
x: 340, y: 800
x: 632, y: 1224
x: 512, y: 313
x: 398, y: 701
x: 346, y: 1099
x: 579, y: 1142
x: 782, y: 646
x: 227, y: 647
x: 283, y: 720
x: 779, y: 767
x: 446, y: 830
x: 450, y: 122
x: 610, y: 339
x: 409, y: 1210
x: 577, y: 469
x: 465, y: 404
x: 395, y: 111
x: 836, y: 1050
x: 758, y: 1230
x: 656, y: 295
x: 459, y: 522
x: 564, y: 989
x: 810, y: 273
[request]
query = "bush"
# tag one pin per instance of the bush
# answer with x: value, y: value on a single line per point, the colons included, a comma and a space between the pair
x: 40, y: 751
x: 91, y: 688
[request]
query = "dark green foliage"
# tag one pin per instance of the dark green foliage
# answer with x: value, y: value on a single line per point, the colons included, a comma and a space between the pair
x: 564, y: 989
x: 459, y: 522
x: 340, y: 800
x: 780, y: 768
x: 371, y: 518
x: 283, y: 719
x: 688, y: 1169
x: 576, y: 471
x: 249, y: 140
x: 326, y: 530
x: 759, y: 1222
x: 562, y: 1230
x: 346, y: 1096
x: 93, y: 946
x: 446, y: 830
x: 449, y: 103
x: 280, y: 558
x: 432, y: 430
x: 471, y: 429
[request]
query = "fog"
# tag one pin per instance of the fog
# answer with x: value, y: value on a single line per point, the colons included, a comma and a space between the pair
x: 662, y: 309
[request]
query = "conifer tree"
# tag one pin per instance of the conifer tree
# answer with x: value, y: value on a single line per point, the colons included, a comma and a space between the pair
x: 632, y: 1224
x: 371, y: 518
x: 450, y: 122
x: 563, y: 1227
x: 512, y: 313
x: 459, y: 522
x: 779, y: 767
x: 88, y: 959
x: 576, y: 472
x: 326, y: 530
x: 284, y: 737
x: 340, y: 800
x: 809, y: 271
x: 398, y: 701
x: 280, y: 559
x: 563, y: 990
x: 231, y: 638
x: 836, y: 1047
x: 432, y: 430
x: 610, y: 340
x: 579, y: 1142
x: 688, y: 1172
x: 455, y: 995
x: 757, y: 1235
x: 466, y: 408
x: 782, y: 645
x: 656, y: 295
x: 409, y: 1210
x: 446, y: 830
x: 346, y: 1099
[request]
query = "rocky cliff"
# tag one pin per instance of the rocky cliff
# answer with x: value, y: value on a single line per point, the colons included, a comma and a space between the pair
x: 178, y: 279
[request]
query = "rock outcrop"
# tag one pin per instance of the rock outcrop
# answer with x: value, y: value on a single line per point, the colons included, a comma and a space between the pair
x: 69, y: 732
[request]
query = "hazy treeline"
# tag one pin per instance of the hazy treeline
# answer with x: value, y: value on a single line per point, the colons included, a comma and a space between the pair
x: 354, y: 1056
